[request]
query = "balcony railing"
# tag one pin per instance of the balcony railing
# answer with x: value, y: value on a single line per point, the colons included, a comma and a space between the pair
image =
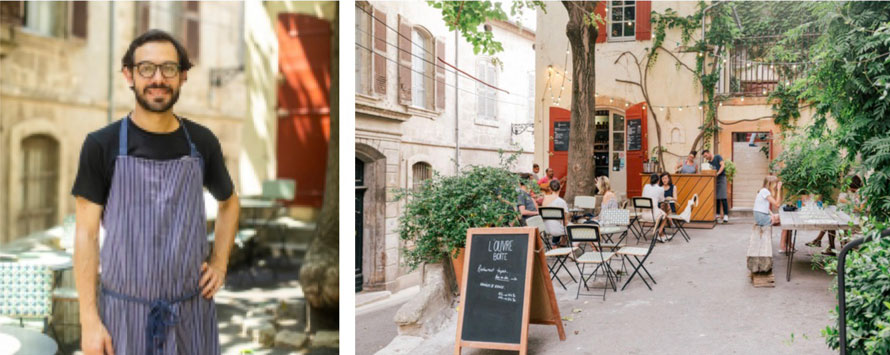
x: 746, y: 71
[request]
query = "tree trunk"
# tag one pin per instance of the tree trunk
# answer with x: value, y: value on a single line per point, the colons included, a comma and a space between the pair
x: 582, y: 39
x: 319, y: 275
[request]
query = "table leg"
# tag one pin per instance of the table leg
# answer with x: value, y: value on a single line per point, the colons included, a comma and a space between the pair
x: 789, y: 247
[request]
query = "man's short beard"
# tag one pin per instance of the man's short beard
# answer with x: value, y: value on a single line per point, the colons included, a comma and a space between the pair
x: 146, y: 105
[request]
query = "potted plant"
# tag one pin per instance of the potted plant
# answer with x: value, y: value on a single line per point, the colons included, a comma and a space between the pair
x: 437, y: 214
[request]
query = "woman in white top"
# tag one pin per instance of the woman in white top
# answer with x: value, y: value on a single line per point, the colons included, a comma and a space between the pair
x: 656, y: 193
x: 552, y: 199
x: 768, y: 198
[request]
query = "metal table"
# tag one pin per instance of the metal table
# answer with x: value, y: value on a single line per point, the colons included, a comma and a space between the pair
x: 16, y: 340
x: 813, y: 220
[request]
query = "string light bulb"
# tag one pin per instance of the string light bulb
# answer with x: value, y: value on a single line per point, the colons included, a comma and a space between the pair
x: 661, y: 109
x: 681, y: 108
x: 610, y: 101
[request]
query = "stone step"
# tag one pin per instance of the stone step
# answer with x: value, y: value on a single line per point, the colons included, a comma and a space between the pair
x: 741, y: 212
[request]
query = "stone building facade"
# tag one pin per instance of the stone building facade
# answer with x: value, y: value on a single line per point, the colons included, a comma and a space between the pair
x: 416, y: 114
x: 59, y: 71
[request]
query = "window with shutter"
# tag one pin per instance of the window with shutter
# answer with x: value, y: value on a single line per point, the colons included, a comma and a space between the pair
x: 192, y: 27
x: 621, y: 20
x: 39, y: 184
x: 420, y: 172
x: 363, y: 51
x: 12, y: 12
x: 79, y: 19
x: 47, y: 18
x: 422, y: 70
x: 487, y: 73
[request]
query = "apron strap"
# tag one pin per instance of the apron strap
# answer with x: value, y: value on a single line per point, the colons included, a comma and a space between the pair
x: 122, y: 139
x: 161, y: 317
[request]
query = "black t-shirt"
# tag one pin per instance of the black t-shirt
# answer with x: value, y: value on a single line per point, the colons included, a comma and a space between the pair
x: 100, y: 151
x: 715, y: 163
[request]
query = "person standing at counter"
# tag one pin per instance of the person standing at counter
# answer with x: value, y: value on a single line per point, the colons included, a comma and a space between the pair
x: 689, y: 166
x: 717, y: 162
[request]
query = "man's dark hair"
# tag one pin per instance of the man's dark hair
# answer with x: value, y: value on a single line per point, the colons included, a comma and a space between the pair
x: 705, y: 151
x: 653, y: 179
x: 693, y: 153
x: 554, y: 185
x: 855, y: 182
x: 155, y: 35
x: 535, y: 165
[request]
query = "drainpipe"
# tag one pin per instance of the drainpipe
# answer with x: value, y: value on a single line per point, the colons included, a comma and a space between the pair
x: 456, y: 106
x: 110, y: 83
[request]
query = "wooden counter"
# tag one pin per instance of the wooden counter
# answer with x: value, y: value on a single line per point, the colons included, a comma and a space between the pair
x: 703, y: 184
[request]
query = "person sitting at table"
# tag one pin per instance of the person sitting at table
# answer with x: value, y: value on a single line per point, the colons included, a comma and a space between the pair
x: 527, y: 205
x: 670, y: 191
x: 552, y: 199
x: 688, y: 166
x: 851, y: 198
x: 767, y: 199
x: 656, y: 193
x: 610, y: 201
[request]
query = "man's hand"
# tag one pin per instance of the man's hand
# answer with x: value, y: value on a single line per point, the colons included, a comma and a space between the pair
x: 95, y: 339
x: 212, y: 278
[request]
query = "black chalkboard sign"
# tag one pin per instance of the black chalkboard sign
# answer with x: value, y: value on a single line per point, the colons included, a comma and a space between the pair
x: 495, y: 290
x: 505, y: 286
x: 561, y: 136
x: 634, y: 134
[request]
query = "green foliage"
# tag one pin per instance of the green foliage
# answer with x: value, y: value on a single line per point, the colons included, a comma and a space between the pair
x: 785, y: 106
x: 729, y: 170
x: 467, y: 17
x: 437, y: 215
x: 867, y: 279
x: 849, y: 84
x: 810, y: 166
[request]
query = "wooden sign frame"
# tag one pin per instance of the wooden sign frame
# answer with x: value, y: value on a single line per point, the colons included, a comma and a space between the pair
x: 537, y: 287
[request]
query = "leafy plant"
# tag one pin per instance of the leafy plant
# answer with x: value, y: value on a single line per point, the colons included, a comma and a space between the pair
x: 867, y: 279
x: 810, y: 166
x: 729, y: 170
x: 437, y: 215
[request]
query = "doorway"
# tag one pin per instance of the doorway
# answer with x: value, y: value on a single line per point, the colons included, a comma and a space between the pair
x: 751, y: 154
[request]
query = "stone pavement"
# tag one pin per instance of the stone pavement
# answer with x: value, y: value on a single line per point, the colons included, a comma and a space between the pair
x: 704, y: 303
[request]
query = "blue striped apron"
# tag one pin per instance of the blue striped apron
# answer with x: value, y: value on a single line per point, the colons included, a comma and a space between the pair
x: 151, y: 256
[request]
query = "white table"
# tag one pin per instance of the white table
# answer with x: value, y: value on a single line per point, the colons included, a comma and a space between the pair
x: 23, y: 341
x: 814, y: 220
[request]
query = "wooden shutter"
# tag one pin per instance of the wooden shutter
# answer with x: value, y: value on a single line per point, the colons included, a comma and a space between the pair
x: 379, y: 26
x: 492, y: 93
x: 404, y: 61
x: 12, y: 12
x: 601, y: 27
x: 192, y: 30
x: 644, y: 25
x: 79, y: 19
x: 143, y: 11
x: 440, y: 75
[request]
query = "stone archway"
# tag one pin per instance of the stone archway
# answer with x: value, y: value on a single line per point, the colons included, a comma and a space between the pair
x: 372, y: 227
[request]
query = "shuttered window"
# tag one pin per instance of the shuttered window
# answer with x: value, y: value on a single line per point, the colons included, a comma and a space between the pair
x: 422, y: 69
x: 420, y: 172
x: 622, y: 19
x: 38, y: 186
x: 363, y: 51
x: 486, y: 96
x: 192, y: 30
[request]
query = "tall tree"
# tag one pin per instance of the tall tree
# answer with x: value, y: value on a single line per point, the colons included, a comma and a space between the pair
x: 467, y: 17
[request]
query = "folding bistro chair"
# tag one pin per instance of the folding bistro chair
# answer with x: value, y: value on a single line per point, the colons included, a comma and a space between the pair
x: 586, y: 203
x: 553, y: 214
x: 637, y: 253
x: 27, y: 292
x: 560, y: 255
x: 614, y: 221
x: 683, y: 218
x: 643, y: 206
x: 590, y: 233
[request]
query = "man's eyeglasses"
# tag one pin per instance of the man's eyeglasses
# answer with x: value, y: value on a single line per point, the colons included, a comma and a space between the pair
x: 147, y: 69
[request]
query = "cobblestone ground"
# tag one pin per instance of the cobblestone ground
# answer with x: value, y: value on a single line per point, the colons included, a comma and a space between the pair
x: 704, y: 303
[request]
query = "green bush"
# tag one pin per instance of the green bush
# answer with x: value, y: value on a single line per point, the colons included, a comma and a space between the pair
x: 437, y: 215
x: 867, y: 279
x: 810, y: 166
x: 729, y: 170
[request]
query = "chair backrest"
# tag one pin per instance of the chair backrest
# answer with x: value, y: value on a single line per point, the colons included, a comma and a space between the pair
x: 615, y: 217
x: 582, y: 233
x: 588, y: 202
x: 554, y: 213
x: 538, y: 222
x: 642, y: 203
x: 27, y: 290
x: 280, y: 189
x: 686, y: 215
x: 624, y: 204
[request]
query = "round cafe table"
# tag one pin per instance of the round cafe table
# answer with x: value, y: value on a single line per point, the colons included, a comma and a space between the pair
x: 17, y: 340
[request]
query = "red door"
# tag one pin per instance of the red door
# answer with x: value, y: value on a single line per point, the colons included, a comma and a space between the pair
x: 559, y: 142
x: 303, y: 109
x: 637, y: 146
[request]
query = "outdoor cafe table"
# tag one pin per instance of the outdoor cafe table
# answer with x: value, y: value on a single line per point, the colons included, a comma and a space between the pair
x: 17, y: 340
x: 812, y: 220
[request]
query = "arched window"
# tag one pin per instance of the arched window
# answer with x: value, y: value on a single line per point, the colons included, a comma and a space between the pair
x: 420, y: 171
x: 422, y: 70
x: 39, y: 182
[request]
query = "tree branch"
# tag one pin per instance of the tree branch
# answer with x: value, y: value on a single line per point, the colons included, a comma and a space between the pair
x: 676, y: 58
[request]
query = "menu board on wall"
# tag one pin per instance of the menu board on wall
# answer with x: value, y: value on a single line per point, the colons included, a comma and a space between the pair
x: 561, y: 136
x: 634, y: 135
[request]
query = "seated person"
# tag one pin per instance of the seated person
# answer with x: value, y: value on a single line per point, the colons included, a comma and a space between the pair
x: 851, y: 198
x: 555, y: 228
x: 656, y: 194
